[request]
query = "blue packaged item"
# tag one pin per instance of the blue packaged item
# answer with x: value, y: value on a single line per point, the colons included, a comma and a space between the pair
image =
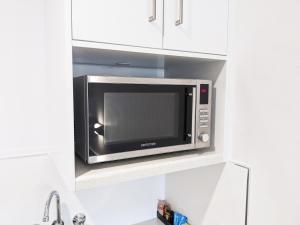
x: 179, y: 219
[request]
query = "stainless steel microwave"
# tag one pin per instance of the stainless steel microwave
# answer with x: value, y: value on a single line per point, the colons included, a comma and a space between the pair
x: 126, y: 117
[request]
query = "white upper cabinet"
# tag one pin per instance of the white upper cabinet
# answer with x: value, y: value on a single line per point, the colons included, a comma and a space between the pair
x: 198, y: 26
x: 125, y: 22
x: 203, y: 25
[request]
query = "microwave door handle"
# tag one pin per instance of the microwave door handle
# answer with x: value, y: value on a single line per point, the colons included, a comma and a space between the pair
x: 98, y: 129
x: 193, y: 115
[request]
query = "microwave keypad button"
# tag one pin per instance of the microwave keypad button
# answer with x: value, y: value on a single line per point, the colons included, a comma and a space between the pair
x: 203, y: 121
x: 203, y: 116
x: 203, y: 111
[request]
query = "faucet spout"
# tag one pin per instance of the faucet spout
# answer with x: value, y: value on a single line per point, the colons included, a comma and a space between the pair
x: 58, y: 221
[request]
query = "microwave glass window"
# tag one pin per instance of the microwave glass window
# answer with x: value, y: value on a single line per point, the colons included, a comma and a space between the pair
x: 140, y: 116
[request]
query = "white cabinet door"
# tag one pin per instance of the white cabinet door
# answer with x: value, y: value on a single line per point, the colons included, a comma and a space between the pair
x: 203, y: 28
x: 118, y: 22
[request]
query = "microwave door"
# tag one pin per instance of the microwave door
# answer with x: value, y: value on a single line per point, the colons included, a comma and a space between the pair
x: 126, y: 117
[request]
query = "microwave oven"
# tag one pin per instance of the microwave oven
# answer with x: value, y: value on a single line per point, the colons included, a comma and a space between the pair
x: 125, y: 117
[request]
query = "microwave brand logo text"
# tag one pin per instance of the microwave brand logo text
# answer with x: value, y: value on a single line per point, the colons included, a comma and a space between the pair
x: 150, y: 144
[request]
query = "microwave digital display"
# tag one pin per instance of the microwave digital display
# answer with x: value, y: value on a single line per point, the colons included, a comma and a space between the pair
x: 204, y: 94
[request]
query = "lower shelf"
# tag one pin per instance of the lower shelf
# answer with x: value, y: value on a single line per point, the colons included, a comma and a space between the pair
x: 151, y: 222
x: 90, y: 176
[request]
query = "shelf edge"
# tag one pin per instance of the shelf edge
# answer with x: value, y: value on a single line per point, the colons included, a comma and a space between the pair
x: 133, y: 49
x: 143, y: 171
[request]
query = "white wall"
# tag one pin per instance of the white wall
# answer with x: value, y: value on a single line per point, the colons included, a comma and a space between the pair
x: 124, y: 203
x: 265, y: 105
x: 59, y: 80
x: 26, y: 183
x: 23, y: 110
x: 213, y: 195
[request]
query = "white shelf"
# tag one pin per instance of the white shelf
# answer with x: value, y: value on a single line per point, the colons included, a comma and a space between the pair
x: 90, y: 176
x: 151, y: 222
x: 142, y: 50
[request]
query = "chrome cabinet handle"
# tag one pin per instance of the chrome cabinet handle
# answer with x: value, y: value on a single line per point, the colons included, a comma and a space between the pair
x: 179, y: 13
x: 152, y: 17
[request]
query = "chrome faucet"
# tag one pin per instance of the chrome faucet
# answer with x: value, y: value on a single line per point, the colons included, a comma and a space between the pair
x: 58, y: 221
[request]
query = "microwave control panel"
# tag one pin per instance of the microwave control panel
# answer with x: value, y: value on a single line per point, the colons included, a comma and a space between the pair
x: 203, y: 114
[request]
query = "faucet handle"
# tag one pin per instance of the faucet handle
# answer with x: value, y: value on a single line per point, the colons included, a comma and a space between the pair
x: 79, y: 219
